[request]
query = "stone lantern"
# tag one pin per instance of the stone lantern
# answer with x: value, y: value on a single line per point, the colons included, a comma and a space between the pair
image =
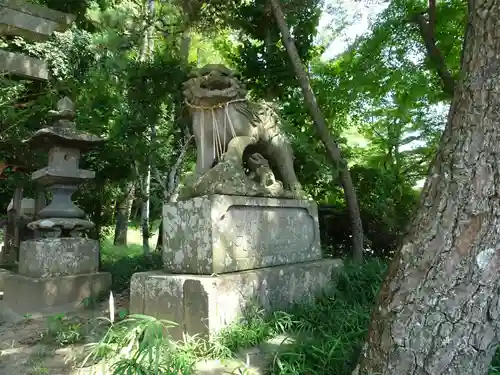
x: 33, y: 22
x: 62, y: 218
x: 60, y: 269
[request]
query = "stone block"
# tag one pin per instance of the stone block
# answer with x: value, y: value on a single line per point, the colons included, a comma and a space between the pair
x: 31, y: 21
x: 221, y: 233
x: 39, y: 296
x: 23, y: 66
x: 48, y: 257
x: 27, y: 210
x: 3, y: 272
x: 202, y: 304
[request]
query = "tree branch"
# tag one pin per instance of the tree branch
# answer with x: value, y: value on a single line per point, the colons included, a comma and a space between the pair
x: 173, y: 171
x: 432, y: 17
x: 427, y: 32
x: 169, y: 184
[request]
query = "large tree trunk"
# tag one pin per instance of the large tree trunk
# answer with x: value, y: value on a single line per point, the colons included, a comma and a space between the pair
x: 438, y: 309
x: 324, y: 133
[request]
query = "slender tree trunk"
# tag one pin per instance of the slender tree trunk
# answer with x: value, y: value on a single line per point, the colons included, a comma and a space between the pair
x: 136, y: 210
x: 10, y: 251
x: 324, y: 133
x: 185, y: 46
x: 145, y: 207
x: 18, y: 197
x: 123, y: 210
x: 171, y: 185
x: 145, y: 212
x: 159, y: 241
x: 96, y: 212
x: 438, y: 308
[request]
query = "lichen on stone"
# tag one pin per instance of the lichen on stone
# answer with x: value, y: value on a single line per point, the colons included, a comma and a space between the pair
x: 228, y: 177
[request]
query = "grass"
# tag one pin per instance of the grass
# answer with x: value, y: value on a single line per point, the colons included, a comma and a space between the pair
x: 328, y: 334
x: 123, y: 261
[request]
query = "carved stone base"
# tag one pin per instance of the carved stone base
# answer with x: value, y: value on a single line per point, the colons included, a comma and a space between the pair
x: 40, y: 296
x: 49, y: 257
x: 203, y: 305
x: 57, y: 227
x: 224, y: 233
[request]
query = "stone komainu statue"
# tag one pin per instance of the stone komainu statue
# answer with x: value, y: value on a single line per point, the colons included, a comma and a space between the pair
x: 221, y: 111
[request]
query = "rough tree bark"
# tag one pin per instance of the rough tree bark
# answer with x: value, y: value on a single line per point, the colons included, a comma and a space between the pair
x: 438, y: 308
x: 322, y: 129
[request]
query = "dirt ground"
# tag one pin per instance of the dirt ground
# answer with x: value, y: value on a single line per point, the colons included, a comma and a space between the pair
x: 25, y: 349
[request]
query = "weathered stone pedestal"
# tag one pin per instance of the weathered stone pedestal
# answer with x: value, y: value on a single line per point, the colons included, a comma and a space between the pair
x: 55, y: 274
x: 225, y: 253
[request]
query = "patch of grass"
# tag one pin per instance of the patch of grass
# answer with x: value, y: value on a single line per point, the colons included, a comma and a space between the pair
x: 253, y: 328
x: 122, y: 262
x: 63, y: 331
x: 329, y: 333
x: 140, y: 344
x: 495, y: 364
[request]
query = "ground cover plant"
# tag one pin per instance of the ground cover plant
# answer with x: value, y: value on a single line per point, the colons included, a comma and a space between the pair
x: 326, y: 335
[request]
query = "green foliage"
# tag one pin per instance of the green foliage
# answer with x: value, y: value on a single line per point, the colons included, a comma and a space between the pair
x: 253, y: 328
x: 328, y: 333
x: 140, y: 344
x: 495, y: 364
x: 384, y: 196
x: 260, y: 55
x: 383, y: 88
x: 123, y: 262
x: 63, y: 330
x: 387, y: 205
x: 117, y: 97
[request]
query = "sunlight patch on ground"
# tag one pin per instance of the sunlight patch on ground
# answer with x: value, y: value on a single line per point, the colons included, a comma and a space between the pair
x: 134, y: 237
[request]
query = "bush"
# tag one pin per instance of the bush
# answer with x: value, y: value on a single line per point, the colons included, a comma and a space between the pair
x: 387, y: 205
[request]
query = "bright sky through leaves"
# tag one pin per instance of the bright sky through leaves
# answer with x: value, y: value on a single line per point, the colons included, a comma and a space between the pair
x: 356, y: 16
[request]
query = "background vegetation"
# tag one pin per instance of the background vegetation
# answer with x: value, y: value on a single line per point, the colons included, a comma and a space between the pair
x: 382, y: 99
